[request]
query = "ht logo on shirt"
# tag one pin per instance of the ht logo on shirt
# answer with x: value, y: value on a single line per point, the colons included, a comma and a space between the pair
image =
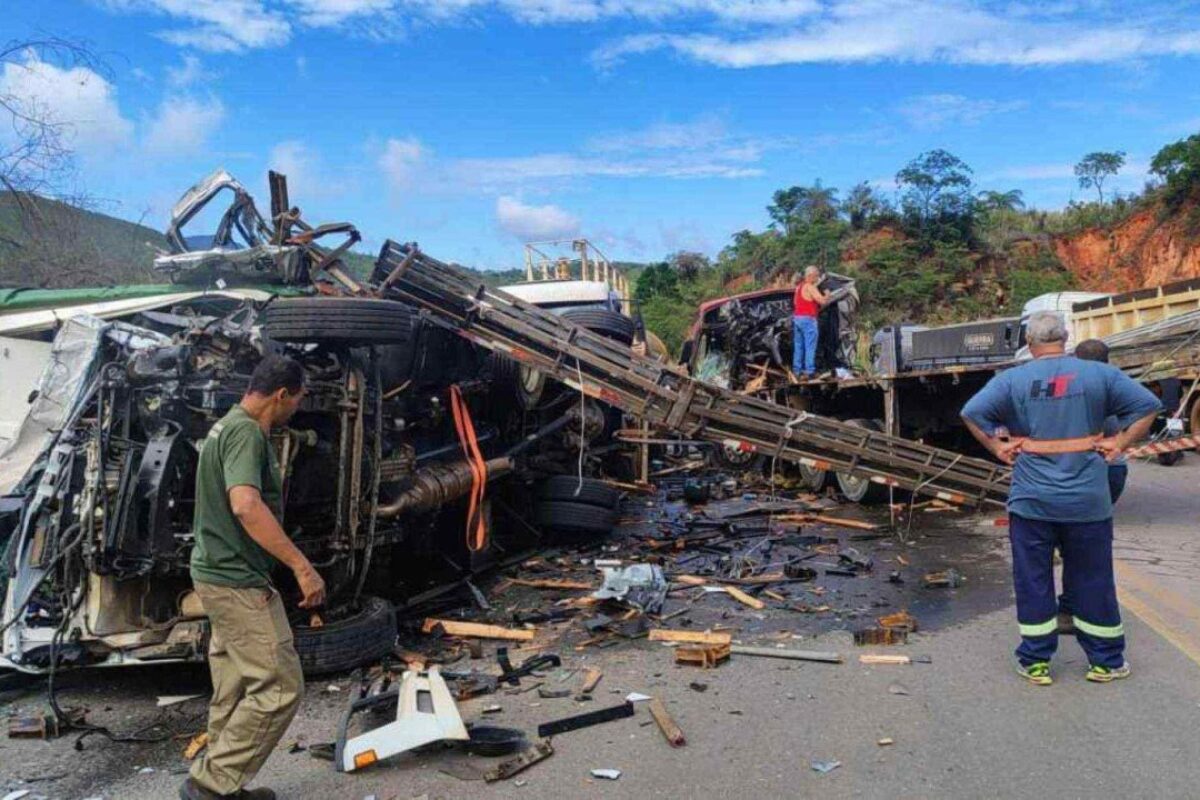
x: 1052, y: 389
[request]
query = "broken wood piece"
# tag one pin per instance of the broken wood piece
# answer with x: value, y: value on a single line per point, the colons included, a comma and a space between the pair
x: 794, y: 655
x: 901, y: 620
x: 198, y: 743
x: 878, y: 658
x: 744, y: 599
x: 828, y: 520
x: 690, y: 580
x: 644, y: 488
x: 691, y: 637
x: 775, y: 595
x: 551, y: 583
x: 591, y: 677
x: 456, y: 628
x: 670, y: 730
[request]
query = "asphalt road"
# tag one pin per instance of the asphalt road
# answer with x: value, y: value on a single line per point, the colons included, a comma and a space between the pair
x: 963, y: 725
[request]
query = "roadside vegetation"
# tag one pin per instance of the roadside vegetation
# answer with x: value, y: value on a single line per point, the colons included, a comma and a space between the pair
x: 938, y: 249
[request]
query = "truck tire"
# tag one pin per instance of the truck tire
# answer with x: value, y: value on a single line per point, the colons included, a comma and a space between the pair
x: 573, y: 518
x: 365, y: 636
x: 516, y: 385
x: 609, y: 324
x: 859, y: 489
x: 814, y: 479
x: 345, y: 320
x: 592, y: 493
x: 733, y: 460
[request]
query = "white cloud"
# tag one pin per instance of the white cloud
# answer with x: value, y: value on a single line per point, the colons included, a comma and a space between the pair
x: 530, y: 223
x: 401, y: 161
x: 300, y: 164
x: 932, y: 111
x: 83, y: 101
x: 952, y: 31
x: 183, y: 125
x: 217, y: 26
x: 189, y: 72
x: 702, y: 148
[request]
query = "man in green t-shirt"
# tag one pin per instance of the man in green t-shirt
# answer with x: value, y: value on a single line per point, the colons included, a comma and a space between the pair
x: 256, y: 675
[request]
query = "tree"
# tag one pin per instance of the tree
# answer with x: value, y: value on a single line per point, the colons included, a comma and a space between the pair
x: 862, y: 204
x: 803, y: 205
x: 1094, y: 168
x: 1178, y: 164
x: 935, y: 183
x: 1012, y: 200
x: 688, y: 264
x: 937, y: 198
x: 656, y: 280
x: 34, y: 152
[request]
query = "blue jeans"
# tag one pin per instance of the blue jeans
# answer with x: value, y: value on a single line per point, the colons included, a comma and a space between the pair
x: 1088, y: 583
x: 804, y: 345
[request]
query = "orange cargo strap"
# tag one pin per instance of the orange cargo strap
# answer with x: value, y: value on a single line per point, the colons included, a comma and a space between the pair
x: 1080, y: 444
x: 477, y: 532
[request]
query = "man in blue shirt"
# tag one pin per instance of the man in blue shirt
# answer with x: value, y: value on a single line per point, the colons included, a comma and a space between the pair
x: 1046, y: 418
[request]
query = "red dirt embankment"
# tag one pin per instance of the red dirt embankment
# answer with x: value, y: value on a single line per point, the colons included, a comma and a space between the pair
x: 1145, y: 250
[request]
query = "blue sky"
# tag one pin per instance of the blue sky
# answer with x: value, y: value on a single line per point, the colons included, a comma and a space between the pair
x: 647, y: 125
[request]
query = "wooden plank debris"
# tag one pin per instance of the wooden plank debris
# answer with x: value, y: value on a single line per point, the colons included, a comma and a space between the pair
x: 551, y: 583
x: 706, y: 656
x: 828, y: 520
x: 691, y: 637
x: 794, y: 655
x: 198, y: 743
x: 743, y: 598
x: 670, y: 730
x: 879, y: 658
x: 591, y: 677
x: 457, y: 628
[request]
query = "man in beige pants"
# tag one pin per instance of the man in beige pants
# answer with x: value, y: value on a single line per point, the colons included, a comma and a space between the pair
x: 255, y: 670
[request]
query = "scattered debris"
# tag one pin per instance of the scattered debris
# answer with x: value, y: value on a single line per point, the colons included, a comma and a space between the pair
x: 541, y: 749
x: 455, y: 628
x: 706, y: 656
x: 901, y: 621
x: 897, y: 688
x: 175, y: 699
x: 553, y: 694
x: 606, y: 774
x: 641, y: 586
x: 198, y: 743
x: 691, y: 637
x: 586, y: 720
x: 488, y: 740
x: 670, y: 730
x: 637, y: 697
x: 794, y: 655
x: 949, y: 579
x: 870, y: 636
x: 875, y: 658
x: 697, y: 686
x: 886, y: 741
x: 824, y: 767
x: 591, y: 677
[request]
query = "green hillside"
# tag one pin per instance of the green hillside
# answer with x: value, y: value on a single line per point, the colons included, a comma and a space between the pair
x: 48, y: 244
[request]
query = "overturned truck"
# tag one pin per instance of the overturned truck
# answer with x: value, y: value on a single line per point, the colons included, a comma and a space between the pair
x: 378, y: 480
x: 420, y: 407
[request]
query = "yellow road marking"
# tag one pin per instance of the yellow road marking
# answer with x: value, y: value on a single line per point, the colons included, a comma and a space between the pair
x: 1149, y: 601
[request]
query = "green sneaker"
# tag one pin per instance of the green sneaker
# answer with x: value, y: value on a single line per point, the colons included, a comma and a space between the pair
x: 1097, y: 674
x: 1037, y: 673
